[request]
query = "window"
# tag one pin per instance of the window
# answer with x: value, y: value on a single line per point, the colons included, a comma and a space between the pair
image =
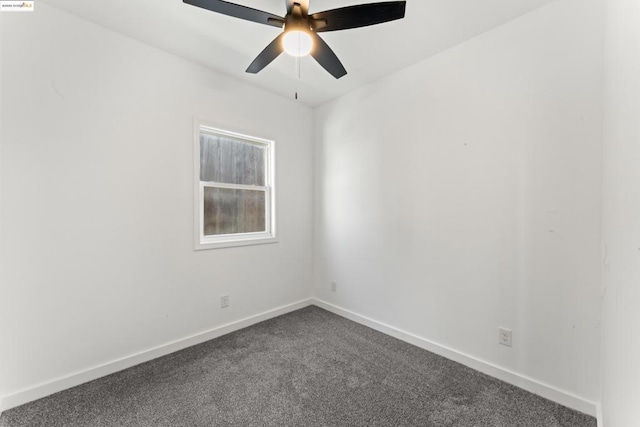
x: 234, y: 189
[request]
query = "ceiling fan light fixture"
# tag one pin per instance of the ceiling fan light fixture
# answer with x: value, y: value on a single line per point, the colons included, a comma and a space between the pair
x: 300, y: 36
x: 297, y: 43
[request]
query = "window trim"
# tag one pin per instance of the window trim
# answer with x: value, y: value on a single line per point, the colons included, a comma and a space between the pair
x: 202, y: 242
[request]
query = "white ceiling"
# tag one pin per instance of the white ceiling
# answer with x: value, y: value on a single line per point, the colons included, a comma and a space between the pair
x: 228, y: 45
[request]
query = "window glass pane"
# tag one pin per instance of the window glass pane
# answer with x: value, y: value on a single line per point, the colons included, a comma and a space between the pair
x: 229, y: 211
x: 231, y: 161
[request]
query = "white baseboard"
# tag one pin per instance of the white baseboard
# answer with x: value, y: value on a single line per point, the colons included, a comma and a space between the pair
x: 599, y: 414
x: 46, y: 388
x: 534, y: 386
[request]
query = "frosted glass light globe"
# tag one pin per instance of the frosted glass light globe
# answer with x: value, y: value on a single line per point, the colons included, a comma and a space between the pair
x: 297, y: 43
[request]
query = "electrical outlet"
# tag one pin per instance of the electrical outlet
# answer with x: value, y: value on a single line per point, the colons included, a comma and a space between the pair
x: 504, y: 336
x: 224, y: 301
x: 334, y: 286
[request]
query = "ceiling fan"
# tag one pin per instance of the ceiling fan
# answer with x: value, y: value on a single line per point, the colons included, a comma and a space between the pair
x: 300, y: 37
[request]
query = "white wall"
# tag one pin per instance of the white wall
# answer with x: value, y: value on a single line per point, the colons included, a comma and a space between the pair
x: 463, y: 194
x: 455, y: 196
x: 3, y: 319
x: 97, y: 145
x: 621, y: 233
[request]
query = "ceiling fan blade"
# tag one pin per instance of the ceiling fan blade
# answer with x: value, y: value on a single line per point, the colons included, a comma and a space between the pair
x: 322, y: 53
x: 361, y: 15
x: 238, y: 11
x: 271, y: 52
x: 304, y: 5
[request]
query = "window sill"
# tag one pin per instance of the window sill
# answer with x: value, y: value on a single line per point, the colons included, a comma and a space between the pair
x: 201, y: 246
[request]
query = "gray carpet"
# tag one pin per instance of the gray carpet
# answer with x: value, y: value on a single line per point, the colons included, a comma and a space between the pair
x: 307, y: 368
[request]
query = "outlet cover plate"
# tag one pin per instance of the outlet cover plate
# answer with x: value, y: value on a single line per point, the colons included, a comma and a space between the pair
x: 505, y: 337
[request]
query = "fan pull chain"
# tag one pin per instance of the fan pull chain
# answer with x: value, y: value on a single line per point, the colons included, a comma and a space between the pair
x: 297, y: 75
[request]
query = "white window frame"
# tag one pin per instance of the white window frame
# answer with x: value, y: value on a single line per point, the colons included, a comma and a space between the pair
x: 201, y: 241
